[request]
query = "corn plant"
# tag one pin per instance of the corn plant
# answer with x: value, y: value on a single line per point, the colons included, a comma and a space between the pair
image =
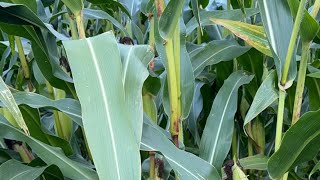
x: 159, y: 89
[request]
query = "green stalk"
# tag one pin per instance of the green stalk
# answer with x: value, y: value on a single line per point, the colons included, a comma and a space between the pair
x: 23, y: 61
x: 315, y: 9
x: 300, y: 82
x: 73, y: 27
x: 302, y: 71
x: 176, y: 47
x: 234, y: 145
x: 80, y: 26
x: 64, y: 120
x: 152, y: 165
x: 293, y: 39
x: 173, y: 92
x: 57, y: 124
x: 24, y: 153
x: 198, y: 35
x: 282, y: 97
x: 282, y: 84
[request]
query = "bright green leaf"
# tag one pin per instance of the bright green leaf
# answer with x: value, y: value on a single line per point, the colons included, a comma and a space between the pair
x: 105, y: 106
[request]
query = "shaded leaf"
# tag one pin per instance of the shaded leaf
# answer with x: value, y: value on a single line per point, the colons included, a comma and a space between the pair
x: 49, y: 154
x: 14, y: 170
x: 299, y: 144
x: 217, y: 135
x: 264, y: 97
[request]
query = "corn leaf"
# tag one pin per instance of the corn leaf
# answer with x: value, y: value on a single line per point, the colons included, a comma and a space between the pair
x: 217, y: 135
x: 251, y: 34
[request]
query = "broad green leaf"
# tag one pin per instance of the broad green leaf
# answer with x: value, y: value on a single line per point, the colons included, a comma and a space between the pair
x: 217, y: 135
x: 278, y: 25
x: 170, y: 18
x: 313, y: 85
x: 257, y: 162
x: 98, y: 14
x: 235, y: 15
x: 9, y: 102
x: 50, y: 155
x: 69, y: 106
x: 186, y: 165
x: 74, y: 5
x: 215, y: 52
x: 251, y: 34
x: 14, y: 170
x: 264, y: 97
x: 132, y: 62
x: 299, y: 144
x: 115, y: 135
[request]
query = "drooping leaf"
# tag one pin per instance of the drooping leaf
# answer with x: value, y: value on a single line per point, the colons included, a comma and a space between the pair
x: 14, y: 170
x: 179, y: 160
x: 39, y: 49
x: 299, y: 144
x: 217, y: 135
x: 20, y: 14
x: 133, y: 60
x: 215, y: 52
x: 264, y: 97
x: 69, y: 106
x: 49, y: 154
x: 251, y: 34
x: 170, y: 18
x: 278, y: 25
x: 115, y: 133
x: 98, y: 14
x: 257, y: 162
x: 235, y: 15
x: 7, y: 99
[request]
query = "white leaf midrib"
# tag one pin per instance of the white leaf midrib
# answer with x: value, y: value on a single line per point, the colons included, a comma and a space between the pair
x: 106, y: 105
x: 220, y: 124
